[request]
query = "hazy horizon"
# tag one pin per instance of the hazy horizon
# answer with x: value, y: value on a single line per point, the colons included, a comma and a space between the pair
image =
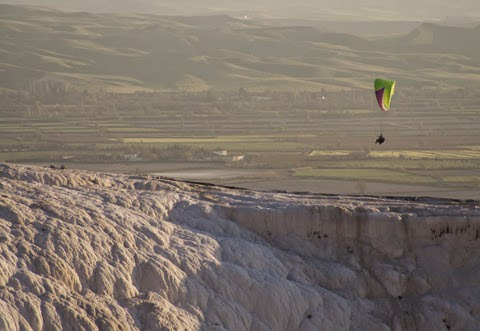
x: 423, y: 10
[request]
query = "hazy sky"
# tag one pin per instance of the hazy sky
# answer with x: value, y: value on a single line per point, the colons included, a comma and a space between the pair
x: 321, y: 9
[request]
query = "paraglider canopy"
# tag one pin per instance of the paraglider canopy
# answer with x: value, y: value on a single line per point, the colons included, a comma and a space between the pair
x: 384, y: 90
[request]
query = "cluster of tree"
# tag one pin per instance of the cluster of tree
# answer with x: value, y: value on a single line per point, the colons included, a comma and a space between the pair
x: 175, y: 152
x: 53, y: 99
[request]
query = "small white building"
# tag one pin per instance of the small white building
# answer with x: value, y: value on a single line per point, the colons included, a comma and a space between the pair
x: 220, y: 152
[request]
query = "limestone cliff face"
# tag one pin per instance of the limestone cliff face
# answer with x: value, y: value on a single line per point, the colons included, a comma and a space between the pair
x: 91, y: 251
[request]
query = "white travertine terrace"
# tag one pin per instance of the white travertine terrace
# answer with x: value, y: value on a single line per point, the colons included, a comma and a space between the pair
x: 92, y: 251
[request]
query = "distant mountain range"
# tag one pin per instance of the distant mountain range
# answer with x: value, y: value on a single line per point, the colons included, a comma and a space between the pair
x: 324, y: 9
x: 197, y: 53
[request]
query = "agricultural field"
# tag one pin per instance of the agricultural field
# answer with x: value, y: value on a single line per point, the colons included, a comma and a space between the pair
x: 390, y: 176
x: 427, y: 154
x: 201, y: 140
x: 396, y: 163
x: 329, y: 153
x: 430, y: 150
x: 380, y: 175
x: 452, y: 154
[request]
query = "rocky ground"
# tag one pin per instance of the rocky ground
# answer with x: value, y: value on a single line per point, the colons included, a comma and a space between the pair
x: 91, y: 251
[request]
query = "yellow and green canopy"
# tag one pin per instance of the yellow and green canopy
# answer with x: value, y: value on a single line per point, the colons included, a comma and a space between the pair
x: 384, y: 90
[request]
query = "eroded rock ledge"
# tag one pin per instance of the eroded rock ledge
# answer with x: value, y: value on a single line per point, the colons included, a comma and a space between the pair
x: 91, y: 251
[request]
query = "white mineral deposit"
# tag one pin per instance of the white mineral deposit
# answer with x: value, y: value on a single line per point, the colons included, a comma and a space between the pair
x: 93, y: 251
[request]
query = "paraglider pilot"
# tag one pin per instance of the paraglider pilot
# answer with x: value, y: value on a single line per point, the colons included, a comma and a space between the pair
x: 380, y: 140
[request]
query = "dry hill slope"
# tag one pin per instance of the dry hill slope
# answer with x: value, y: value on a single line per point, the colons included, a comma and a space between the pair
x: 91, y: 251
x: 135, y: 52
